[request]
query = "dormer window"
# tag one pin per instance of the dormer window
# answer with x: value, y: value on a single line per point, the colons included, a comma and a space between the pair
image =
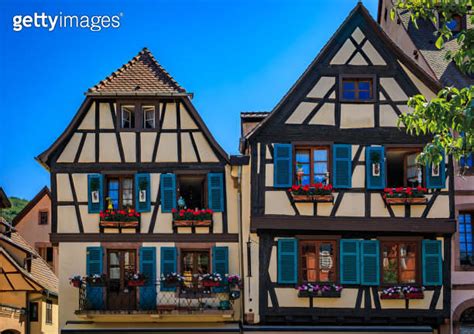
x: 128, y: 117
x: 148, y: 117
x: 357, y: 89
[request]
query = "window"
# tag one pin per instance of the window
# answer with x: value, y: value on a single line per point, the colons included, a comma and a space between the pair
x: 314, y: 162
x: 465, y: 238
x: 467, y: 162
x: 403, y: 159
x: 318, y: 261
x: 357, y: 89
x: 455, y: 24
x: 148, y: 117
x: 128, y: 117
x: 43, y: 218
x: 33, y: 311
x: 191, y: 191
x: 49, y: 312
x: 47, y: 254
x: 120, y: 191
x: 195, y: 262
x: 399, y: 262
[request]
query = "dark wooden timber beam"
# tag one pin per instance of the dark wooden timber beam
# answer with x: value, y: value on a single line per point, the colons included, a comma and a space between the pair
x: 413, y: 225
x: 158, y: 237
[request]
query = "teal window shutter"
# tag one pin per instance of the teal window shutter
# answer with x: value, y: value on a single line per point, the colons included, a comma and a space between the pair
x: 220, y: 263
x: 375, y: 176
x: 432, y: 262
x: 95, y: 193
x: 215, y: 183
x: 370, y: 255
x: 168, y: 192
x: 142, y: 192
x: 342, y: 166
x: 94, y: 266
x: 168, y: 264
x: 148, y: 268
x: 350, y: 261
x: 436, y: 180
x: 282, y: 165
x: 287, y: 261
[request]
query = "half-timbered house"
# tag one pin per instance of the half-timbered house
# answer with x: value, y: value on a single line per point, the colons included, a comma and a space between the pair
x: 342, y: 229
x: 142, y: 191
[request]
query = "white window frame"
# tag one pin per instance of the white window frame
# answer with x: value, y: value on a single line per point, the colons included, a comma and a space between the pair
x: 123, y: 111
x: 148, y: 109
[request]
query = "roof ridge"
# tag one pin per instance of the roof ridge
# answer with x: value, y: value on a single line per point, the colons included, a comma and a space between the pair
x: 158, y: 71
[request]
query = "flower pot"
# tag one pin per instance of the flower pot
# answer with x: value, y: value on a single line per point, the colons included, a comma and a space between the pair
x: 323, y: 198
x: 416, y: 200
x: 177, y: 223
x: 210, y: 283
x: 321, y: 294
x: 129, y: 224
x: 202, y: 223
x: 395, y: 200
x: 392, y: 296
x: 76, y: 284
x: 136, y: 283
x: 414, y: 295
x: 301, y: 197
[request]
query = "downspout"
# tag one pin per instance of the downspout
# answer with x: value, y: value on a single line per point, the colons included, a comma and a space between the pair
x: 241, y: 242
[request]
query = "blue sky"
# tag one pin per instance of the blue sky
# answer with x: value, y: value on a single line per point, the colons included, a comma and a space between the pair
x: 233, y: 55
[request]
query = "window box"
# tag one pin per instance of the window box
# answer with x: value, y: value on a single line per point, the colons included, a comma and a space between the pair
x: 312, y: 198
x: 96, y: 280
x: 412, y: 295
x: 140, y: 282
x: 395, y: 200
x: 405, y: 195
x: 412, y: 200
x: 320, y: 294
x: 391, y: 296
x: 117, y: 224
x: 189, y: 223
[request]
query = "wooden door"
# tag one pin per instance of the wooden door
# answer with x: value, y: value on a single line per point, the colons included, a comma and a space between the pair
x: 120, y: 265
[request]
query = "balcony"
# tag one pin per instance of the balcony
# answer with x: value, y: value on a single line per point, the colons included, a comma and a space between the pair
x: 190, y: 302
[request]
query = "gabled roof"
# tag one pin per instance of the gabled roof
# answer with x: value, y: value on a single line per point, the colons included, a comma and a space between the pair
x: 31, y: 204
x: 142, y: 75
x: 424, y: 38
x: 4, y: 201
x: 359, y: 9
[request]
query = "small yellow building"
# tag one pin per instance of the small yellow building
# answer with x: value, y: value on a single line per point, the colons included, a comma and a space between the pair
x: 28, y: 287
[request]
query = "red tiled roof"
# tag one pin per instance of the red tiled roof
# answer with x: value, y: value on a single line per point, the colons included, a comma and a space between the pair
x: 141, y: 75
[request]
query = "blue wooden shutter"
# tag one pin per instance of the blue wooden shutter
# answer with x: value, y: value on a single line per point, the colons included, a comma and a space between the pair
x: 436, y: 182
x: 215, y: 183
x: 287, y: 261
x: 432, y: 262
x: 374, y: 182
x: 95, y: 207
x: 95, y: 297
x: 220, y: 263
x: 168, y: 192
x: 370, y: 255
x: 148, y: 268
x: 350, y: 261
x: 342, y: 166
x: 168, y: 264
x: 467, y: 161
x: 282, y: 165
x: 145, y: 205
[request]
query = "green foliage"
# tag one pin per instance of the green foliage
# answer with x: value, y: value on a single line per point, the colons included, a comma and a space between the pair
x: 448, y: 117
x: 17, y: 205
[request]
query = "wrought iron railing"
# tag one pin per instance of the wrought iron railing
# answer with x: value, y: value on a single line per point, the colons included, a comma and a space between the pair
x: 186, y: 297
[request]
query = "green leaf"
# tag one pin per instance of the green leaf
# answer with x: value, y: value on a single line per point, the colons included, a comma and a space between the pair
x: 439, y: 42
x: 392, y: 14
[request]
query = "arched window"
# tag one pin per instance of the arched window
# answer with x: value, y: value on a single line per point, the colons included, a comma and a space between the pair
x: 467, y: 322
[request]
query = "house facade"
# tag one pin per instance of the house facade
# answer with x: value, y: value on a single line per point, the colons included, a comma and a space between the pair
x: 28, y: 287
x: 34, y: 225
x: 342, y: 230
x: 418, y: 43
x: 143, y: 210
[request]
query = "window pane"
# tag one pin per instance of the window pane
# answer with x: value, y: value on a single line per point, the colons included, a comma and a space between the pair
x: 364, y: 85
x: 305, y: 168
x: 127, y: 192
x: 306, y: 179
x: 390, y: 263
x: 114, y: 192
x: 348, y: 85
x: 148, y: 117
x: 302, y: 156
x: 320, y: 155
x: 326, y: 263
x: 318, y: 178
x: 203, y: 263
x: 364, y: 95
x: 348, y: 95
x: 309, y: 264
x: 407, y: 263
x: 128, y: 117
x: 320, y: 167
